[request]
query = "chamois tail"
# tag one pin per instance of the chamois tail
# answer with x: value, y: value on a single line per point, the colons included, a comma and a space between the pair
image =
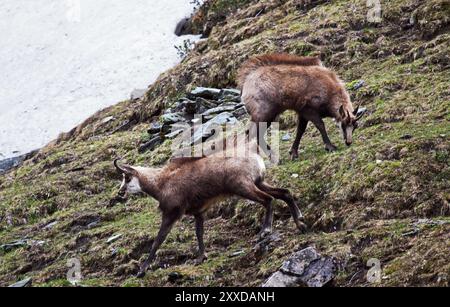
x: 272, y: 60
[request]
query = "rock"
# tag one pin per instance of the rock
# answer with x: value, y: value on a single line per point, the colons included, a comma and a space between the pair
x: 358, y: 85
x: 219, y: 109
x: 174, y: 134
x: 150, y: 145
x: 307, y: 268
x: 207, y: 129
x: 13, y: 245
x: 189, y: 106
x: 240, y: 112
x: 230, y: 92
x: 174, y: 277
x: 278, y: 279
x: 205, y: 103
x: 172, y: 118
x: 23, y: 283
x: 294, y: 175
x: 238, y: 253
x: 286, y: 137
x: 107, y: 119
x: 50, y: 225
x: 137, y: 94
x: 205, y: 92
x: 154, y: 128
x: 113, y: 238
x: 7, y: 164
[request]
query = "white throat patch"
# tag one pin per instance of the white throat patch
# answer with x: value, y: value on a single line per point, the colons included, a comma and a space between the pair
x: 134, y: 186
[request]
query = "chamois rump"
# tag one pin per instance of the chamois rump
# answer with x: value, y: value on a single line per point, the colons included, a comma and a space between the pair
x: 274, y: 83
x: 192, y: 185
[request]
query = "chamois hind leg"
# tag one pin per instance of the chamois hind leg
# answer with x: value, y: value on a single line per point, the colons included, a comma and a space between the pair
x: 261, y: 121
x: 301, y: 127
x: 199, y: 219
x: 253, y: 193
x: 168, y: 220
x: 286, y: 196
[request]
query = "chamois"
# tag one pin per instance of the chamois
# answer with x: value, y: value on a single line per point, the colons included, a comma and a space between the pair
x: 274, y: 83
x: 191, y: 185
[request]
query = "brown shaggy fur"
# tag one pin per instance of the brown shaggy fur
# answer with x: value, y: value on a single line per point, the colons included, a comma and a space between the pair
x: 272, y: 84
x: 273, y: 60
x: 192, y: 185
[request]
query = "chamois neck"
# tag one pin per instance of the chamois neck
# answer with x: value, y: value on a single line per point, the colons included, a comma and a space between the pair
x: 148, y: 179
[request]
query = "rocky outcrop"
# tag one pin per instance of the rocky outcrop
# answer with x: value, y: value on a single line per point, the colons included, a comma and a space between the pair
x: 304, y: 268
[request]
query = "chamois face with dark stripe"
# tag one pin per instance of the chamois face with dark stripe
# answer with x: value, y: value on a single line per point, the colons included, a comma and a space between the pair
x: 348, y: 123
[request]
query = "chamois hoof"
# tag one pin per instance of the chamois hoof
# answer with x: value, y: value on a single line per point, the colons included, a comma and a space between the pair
x: 294, y: 155
x: 264, y: 233
x: 140, y: 274
x: 330, y: 148
x: 302, y: 227
x: 200, y: 259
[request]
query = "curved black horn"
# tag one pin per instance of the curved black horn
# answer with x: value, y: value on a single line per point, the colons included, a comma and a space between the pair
x: 119, y: 168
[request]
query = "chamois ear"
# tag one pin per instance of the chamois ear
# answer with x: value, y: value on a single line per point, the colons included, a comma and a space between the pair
x: 124, y: 169
x: 359, y: 112
x: 342, y: 112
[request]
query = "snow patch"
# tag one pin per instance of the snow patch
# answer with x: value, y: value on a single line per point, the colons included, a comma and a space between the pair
x: 62, y: 60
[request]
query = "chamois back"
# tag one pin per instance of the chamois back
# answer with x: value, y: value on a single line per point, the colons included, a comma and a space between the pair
x: 273, y: 60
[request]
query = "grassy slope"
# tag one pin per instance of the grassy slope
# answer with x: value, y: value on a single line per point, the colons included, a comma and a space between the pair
x: 357, y: 207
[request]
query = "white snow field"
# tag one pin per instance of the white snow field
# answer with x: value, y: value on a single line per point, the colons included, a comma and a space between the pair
x: 62, y: 60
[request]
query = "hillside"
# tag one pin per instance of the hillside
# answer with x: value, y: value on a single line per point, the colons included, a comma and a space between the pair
x: 385, y: 197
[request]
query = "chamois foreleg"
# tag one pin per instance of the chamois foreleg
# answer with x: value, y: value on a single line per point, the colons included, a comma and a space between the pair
x: 168, y: 220
x: 286, y: 196
x: 253, y: 193
x: 320, y: 125
x: 301, y: 127
x: 199, y: 230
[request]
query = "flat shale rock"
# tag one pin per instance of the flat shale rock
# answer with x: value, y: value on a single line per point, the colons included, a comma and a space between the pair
x: 304, y: 268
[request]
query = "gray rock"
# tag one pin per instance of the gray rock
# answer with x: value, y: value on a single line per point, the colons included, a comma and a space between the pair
x: 7, y: 164
x: 174, y: 134
x: 358, y: 85
x: 207, y: 129
x: 205, y: 92
x: 154, y: 128
x: 205, y: 103
x: 220, y: 109
x: 278, y: 279
x: 238, y: 253
x: 189, y: 106
x: 286, y: 137
x: 150, y: 145
x: 13, y: 245
x: 240, y: 112
x: 23, y: 283
x: 172, y: 118
x: 113, y: 238
x: 230, y: 92
x: 304, y: 268
x: 50, y: 225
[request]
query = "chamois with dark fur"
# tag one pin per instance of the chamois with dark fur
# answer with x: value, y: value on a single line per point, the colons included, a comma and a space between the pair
x: 274, y: 83
x: 191, y: 185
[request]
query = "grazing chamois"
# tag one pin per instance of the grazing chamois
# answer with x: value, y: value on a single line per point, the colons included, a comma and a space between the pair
x: 191, y: 185
x: 274, y: 83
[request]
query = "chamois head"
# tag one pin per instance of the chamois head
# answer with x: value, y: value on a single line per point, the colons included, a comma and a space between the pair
x: 349, y: 122
x: 130, y: 183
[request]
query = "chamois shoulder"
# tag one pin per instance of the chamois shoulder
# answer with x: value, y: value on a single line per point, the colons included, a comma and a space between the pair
x: 272, y: 60
x: 177, y: 161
